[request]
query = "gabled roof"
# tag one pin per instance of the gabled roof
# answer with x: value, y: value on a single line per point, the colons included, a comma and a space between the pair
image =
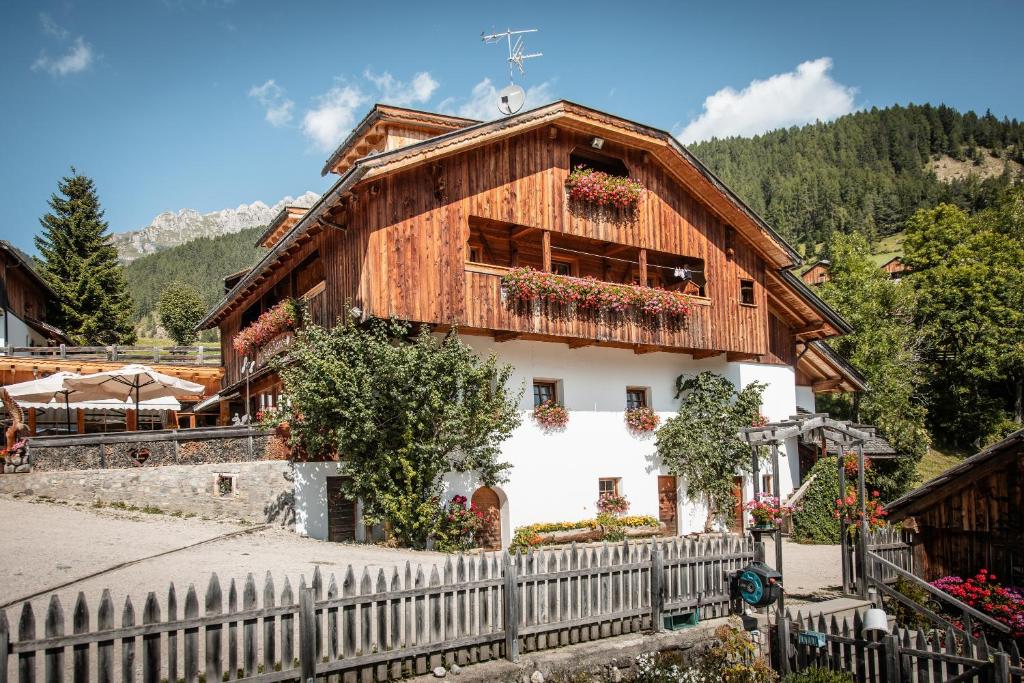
x: 821, y: 363
x: 687, y: 168
x: 957, y: 476
x: 27, y: 266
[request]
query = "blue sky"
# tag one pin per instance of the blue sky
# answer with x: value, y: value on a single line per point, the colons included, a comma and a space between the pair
x: 210, y: 104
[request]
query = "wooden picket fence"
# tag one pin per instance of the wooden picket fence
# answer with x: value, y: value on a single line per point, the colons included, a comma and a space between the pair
x: 903, y: 656
x: 377, y: 628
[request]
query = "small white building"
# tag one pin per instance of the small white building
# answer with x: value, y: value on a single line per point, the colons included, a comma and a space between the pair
x: 431, y: 219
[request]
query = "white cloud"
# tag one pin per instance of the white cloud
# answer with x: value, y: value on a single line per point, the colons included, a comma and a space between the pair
x: 393, y: 91
x: 51, y: 27
x: 333, y: 116
x: 271, y: 97
x: 482, y: 102
x: 76, y: 59
x: 797, y: 97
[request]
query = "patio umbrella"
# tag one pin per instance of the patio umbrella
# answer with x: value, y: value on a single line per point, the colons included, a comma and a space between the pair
x: 46, y: 389
x: 133, y: 383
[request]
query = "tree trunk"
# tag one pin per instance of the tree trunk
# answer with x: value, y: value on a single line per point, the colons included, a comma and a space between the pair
x: 709, y: 521
x: 1018, y: 403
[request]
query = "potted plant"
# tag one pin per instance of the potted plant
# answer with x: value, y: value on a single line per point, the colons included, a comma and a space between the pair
x: 642, y: 420
x: 551, y: 416
x: 766, y: 512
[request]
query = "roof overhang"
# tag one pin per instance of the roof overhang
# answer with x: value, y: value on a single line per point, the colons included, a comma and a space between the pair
x: 29, y: 269
x: 826, y: 370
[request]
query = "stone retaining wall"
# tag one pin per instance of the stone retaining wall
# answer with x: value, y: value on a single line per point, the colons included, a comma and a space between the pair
x: 257, y: 492
x: 124, y: 455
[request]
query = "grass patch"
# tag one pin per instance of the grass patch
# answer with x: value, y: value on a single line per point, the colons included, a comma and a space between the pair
x: 935, y: 462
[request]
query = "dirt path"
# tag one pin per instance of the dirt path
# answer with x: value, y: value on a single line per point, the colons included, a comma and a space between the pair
x: 47, y: 544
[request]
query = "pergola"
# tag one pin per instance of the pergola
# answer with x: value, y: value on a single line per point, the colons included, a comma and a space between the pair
x: 845, y: 434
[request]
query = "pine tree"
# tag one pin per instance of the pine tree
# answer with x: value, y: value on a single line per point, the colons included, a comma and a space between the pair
x: 79, y: 262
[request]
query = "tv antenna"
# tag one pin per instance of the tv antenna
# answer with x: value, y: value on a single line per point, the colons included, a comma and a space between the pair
x: 512, y: 97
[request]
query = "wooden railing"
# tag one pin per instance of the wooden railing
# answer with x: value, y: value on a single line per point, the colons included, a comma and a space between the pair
x: 377, y: 626
x: 150, y: 355
x: 903, y: 655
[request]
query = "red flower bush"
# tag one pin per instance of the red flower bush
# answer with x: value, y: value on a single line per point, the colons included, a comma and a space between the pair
x: 985, y: 594
x: 596, y: 187
x: 850, y: 464
x: 642, y: 420
x: 587, y: 293
x: 551, y: 415
x: 848, y: 511
x: 281, y: 318
x: 460, y: 526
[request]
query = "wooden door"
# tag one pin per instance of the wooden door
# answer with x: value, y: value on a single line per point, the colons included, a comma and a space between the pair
x: 736, y: 520
x: 668, y: 504
x: 486, y: 500
x: 341, y: 512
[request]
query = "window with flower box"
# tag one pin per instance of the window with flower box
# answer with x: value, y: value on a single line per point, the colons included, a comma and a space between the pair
x: 608, y: 486
x: 636, y: 397
x: 544, y: 391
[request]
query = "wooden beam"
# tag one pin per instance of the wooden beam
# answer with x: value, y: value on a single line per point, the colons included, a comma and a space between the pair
x: 521, y: 231
x: 736, y: 356
x: 580, y: 343
x: 643, y: 267
x: 330, y: 224
x: 546, y: 243
x: 505, y: 336
x: 617, y: 249
x: 830, y: 384
x: 710, y: 353
x: 644, y: 348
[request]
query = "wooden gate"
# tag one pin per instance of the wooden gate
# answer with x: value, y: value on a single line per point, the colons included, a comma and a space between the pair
x: 487, y: 501
x: 668, y: 504
x: 341, y: 511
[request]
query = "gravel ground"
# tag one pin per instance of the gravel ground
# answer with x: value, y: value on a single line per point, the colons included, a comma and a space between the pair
x: 45, y: 544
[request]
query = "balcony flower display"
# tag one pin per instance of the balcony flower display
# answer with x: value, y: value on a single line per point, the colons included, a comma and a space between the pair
x: 603, y: 190
x: 587, y: 293
x: 551, y: 416
x: 767, y: 511
x: 642, y: 420
x: 281, y: 318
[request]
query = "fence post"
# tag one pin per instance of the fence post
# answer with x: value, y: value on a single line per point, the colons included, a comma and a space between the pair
x: 199, y: 355
x: 657, y: 588
x: 63, y: 351
x: 1001, y: 668
x: 782, y: 642
x: 511, y: 609
x: 307, y: 635
x: 5, y: 645
x: 891, y: 648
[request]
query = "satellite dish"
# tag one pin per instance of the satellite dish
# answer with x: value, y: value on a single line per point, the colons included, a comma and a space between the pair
x: 511, y: 99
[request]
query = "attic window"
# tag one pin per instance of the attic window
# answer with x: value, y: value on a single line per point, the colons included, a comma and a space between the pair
x: 747, y: 292
x: 597, y: 162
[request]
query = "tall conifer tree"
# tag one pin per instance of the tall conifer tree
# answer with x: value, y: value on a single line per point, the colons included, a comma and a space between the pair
x: 78, y: 260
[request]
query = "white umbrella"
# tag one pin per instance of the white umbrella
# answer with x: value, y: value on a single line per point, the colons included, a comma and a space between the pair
x: 133, y: 382
x: 46, y: 389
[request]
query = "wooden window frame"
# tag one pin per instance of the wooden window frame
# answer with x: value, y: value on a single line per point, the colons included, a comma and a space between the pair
x: 644, y: 392
x: 571, y: 261
x: 548, y: 383
x: 748, y: 285
x: 615, y: 482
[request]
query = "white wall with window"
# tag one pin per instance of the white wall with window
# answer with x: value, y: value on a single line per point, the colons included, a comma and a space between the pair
x: 556, y: 475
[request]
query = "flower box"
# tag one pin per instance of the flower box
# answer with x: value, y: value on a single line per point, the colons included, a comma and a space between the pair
x: 590, y: 294
x: 642, y: 420
x: 283, y: 317
x: 551, y: 416
x: 603, y: 190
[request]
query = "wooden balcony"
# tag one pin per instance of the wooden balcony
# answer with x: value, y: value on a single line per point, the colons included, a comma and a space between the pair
x: 488, y: 308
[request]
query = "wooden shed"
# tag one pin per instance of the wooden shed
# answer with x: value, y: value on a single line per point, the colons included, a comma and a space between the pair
x: 971, y: 516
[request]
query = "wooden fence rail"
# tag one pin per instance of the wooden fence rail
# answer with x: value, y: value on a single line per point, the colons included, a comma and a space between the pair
x: 903, y: 656
x: 376, y: 627
x: 159, y: 355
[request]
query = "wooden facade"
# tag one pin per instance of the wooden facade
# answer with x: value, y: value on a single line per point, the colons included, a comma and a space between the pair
x: 24, y: 294
x: 425, y: 232
x: 972, y: 516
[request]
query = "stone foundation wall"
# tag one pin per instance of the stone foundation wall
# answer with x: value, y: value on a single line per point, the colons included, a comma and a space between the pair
x: 125, y: 455
x: 257, y: 492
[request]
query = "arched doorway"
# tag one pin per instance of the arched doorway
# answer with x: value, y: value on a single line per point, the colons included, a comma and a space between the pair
x: 487, y: 501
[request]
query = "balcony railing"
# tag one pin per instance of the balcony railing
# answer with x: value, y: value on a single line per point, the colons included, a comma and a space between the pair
x: 150, y: 355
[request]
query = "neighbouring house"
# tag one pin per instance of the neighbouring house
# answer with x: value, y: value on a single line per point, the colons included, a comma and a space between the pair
x: 971, y: 516
x: 895, y: 267
x: 25, y: 297
x: 818, y: 273
x: 430, y: 220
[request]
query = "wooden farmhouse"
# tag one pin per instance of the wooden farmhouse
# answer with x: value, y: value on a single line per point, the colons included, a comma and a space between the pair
x: 24, y: 298
x: 971, y: 516
x: 430, y: 219
x: 817, y: 273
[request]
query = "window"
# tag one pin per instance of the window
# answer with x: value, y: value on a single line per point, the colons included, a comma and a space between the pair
x: 636, y: 398
x: 597, y: 162
x: 225, y: 484
x: 559, y: 267
x: 747, y: 292
x: 474, y: 254
x: 543, y: 391
x: 766, y: 485
x: 608, y: 486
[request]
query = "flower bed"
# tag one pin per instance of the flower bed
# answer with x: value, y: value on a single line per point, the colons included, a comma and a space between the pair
x: 603, y: 190
x: 282, y: 317
x: 590, y: 294
x: 548, y: 533
x: 550, y: 415
x: 642, y: 420
x: 984, y: 593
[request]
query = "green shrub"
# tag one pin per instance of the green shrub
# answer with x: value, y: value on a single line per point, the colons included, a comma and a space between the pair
x: 816, y: 675
x: 814, y: 522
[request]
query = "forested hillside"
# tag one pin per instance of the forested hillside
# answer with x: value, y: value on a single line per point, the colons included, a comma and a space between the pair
x: 866, y: 172
x: 202, y: 262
